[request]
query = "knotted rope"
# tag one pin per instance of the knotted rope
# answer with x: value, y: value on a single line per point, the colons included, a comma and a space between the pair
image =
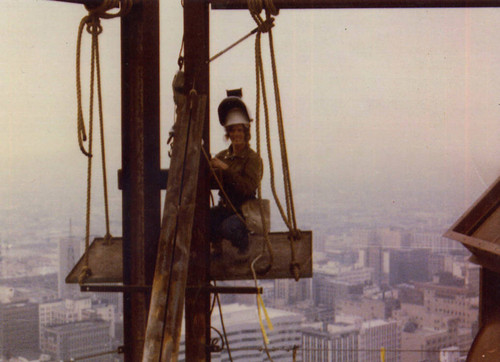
x: 92, y: 24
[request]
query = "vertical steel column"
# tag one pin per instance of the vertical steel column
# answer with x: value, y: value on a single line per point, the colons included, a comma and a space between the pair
x: 197, y: 313
x: 140, y: 164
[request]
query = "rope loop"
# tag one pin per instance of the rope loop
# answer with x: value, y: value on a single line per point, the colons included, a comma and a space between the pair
x: 266, y: 26
x: 93, y: 25
x: 256, y: 6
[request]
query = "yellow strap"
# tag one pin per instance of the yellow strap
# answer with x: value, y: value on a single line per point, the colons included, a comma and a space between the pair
x: 382, y: 354
x: 260, y: 304
x: 268, y: 320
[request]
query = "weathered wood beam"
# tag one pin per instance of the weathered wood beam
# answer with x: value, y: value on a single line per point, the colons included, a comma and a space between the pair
x: 352, y: 4
x: 167, y: 298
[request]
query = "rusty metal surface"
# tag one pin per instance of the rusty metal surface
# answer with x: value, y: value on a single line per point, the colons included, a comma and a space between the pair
x: 197, y: 304
x: 231, y: 266
x: 92, y: 3
x: 140, y: 164
x: 486, y: 345
x: 105, y: 262
x: 115, y: 288
x: 169, y: 284
x: 351, y: 4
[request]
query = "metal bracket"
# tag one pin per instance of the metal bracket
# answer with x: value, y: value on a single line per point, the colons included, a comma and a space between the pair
x: 147, y: 289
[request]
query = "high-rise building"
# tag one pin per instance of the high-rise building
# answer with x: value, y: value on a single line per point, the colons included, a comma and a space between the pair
x: 288, y: 291
x: 408, y: 265
x: 243, y: 331
x: 336, y: 342
x: 18, y: 328
x: 77, y: 340
x: 74, y: 310
x: 69, y: 250
x: 376, y: 336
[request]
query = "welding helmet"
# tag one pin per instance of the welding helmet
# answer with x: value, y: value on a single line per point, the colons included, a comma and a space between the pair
x: 232, y: 110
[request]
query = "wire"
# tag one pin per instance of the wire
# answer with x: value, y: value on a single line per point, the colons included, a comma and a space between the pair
x: 223, y: 327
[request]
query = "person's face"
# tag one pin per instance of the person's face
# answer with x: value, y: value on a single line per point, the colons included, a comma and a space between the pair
x: 237, y: 134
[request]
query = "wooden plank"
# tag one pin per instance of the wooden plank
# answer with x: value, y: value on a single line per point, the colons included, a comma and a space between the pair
x: 231, y: 266
x: 105, y: 262
x: 167, y: 298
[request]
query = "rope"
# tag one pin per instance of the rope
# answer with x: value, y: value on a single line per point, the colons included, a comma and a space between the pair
x: 92, y: 24
x: 260, y: 305
x: 255, y: 7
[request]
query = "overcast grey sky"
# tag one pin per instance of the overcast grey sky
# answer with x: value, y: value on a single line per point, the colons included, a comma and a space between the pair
x: 393, y: 100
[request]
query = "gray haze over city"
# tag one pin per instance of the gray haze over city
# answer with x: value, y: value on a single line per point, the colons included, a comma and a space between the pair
x: 392, y: 116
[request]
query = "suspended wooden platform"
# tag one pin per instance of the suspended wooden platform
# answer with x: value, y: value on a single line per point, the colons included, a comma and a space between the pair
x: 231, y: 266
x: 105, y: 262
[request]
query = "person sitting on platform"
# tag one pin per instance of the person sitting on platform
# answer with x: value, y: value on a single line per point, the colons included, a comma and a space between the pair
x: 239, y: 169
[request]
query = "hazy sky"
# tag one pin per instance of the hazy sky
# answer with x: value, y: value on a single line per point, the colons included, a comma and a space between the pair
x: 400, y: 101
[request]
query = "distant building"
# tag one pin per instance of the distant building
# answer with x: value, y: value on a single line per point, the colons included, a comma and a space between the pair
x: 375, y: 335
x: 69, y: 250
x: 77, y: 340
x: 245, y: 338
x: 449, y: 354
x: 425, y: 333
x: 336, y: 342
x: 408, y: 265
x: 75, y: 310
x: 288, y: 291
x: 426, y: 344
x: 350, y: 339
x: 367, y: 308
x: 456, y: 302
x: 407, y: 293
x: 433, y: 241
x: 331, y: 282
x: 18, y: 328
x: 374, y: 260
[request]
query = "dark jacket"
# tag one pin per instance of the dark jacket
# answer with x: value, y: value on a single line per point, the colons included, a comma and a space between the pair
x: 242, y: 178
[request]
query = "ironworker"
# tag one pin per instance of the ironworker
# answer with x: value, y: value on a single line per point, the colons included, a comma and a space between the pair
x: 239, y: 171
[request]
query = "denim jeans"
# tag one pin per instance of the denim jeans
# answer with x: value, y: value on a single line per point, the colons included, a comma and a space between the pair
x: 225, y: 224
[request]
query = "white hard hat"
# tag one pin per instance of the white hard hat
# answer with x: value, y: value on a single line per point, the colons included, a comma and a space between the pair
x: 236, y: 116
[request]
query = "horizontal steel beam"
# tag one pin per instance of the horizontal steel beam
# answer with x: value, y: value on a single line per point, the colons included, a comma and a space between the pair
x: 91, y: 3
x: 348, y: 4
x: 147, y: 288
